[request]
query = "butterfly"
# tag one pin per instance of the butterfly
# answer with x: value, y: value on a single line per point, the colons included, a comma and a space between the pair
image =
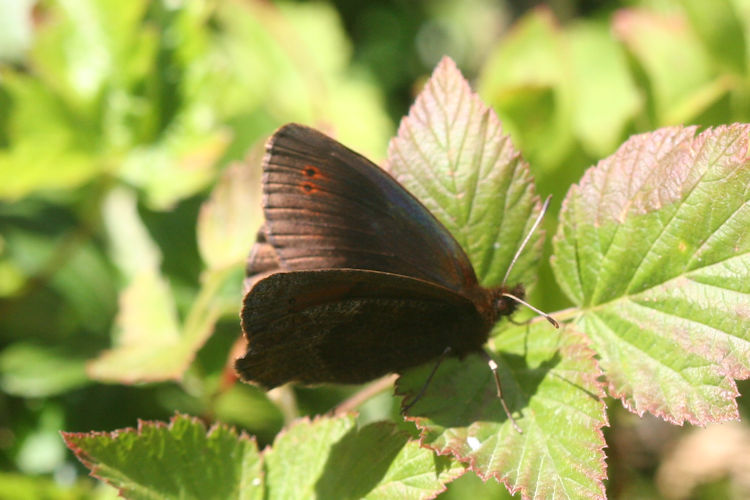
x: 351, y: 276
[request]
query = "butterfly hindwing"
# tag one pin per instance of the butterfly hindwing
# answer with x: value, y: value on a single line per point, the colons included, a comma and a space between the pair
x: 350, y: 326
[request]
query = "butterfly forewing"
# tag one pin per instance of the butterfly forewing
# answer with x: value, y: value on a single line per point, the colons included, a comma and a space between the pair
x: 350, y: 326
x: 329, y: 207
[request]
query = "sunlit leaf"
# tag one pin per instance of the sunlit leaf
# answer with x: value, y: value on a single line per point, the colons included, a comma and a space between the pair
x: 524, y: 80
x: 605, y: 97
x: 16, y: 486
x: 452, y: 154
x: 89, y: 44
x: 180, y: 163
x: 718, y: 26
x: 48, y: 148
x: 665, y: 46
x: 653, y: 247
x: 228, y: 221
x: 180, y: 460
x: 327, y: 458
x: 15, y: 29
x: 147, y: 335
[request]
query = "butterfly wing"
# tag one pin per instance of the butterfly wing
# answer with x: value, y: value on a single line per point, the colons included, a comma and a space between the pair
x: 350, y: 326
x: 262, y: 260
x: 329, y: 207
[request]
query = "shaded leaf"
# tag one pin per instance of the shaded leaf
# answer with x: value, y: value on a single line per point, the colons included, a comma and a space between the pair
x: 549, y: 382
x: 332, y: 458
x: 653, y: 246
x: 179, y: 460
x: 31, y: 370
x: 17, y: 486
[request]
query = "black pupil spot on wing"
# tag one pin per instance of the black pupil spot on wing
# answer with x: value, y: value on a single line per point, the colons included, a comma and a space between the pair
x: 307, y: 187
x: 310, y: 171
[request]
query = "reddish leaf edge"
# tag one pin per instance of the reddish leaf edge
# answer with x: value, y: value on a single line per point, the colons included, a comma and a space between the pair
x: 695, y: 133
x: 732, y: 395
x: 595, y: 376
x: 446, y: 68
x: 71, y: 439
x: 312, y: 421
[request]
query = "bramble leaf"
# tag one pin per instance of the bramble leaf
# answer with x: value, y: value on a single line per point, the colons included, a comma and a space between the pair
x: 179, y: 460
x: 329, y: 457
x: 451, y: 153
x: 653, y: 246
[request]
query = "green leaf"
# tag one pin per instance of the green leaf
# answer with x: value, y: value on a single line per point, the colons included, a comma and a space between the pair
x: 291, y: 60
x: 179, y: 460
x: 89, y: 46
x: 39, y: 449
x: 524, y: 80
x: 720, y: 30
x: 665, y: 46
x: 147, y: 335
x: 24, y: 487
x: 329, y: 457
x: 451, y: 153
x: 605, y: 97
x: 229, y: 219
x: 549, y: 383
x: 37, y: 117
x: 150, y: 343
x: 653, y: 247
x: 332, y: 458
x: 16, y: 28
x: 30, y: 370
x: 180, y: 163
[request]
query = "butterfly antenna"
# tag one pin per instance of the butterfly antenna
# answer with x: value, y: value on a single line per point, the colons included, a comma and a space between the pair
x: 536, y: 310
x: 527, y: 238
x: 493, y: 367
x: 518, y: 254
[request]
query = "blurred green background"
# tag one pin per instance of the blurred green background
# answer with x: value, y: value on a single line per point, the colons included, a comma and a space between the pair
x: 123, y: 226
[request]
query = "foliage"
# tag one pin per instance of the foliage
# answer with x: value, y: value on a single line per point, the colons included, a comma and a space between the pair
x: 130, y: 201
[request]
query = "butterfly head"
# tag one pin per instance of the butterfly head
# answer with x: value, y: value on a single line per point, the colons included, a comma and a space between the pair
x: 504, y: 299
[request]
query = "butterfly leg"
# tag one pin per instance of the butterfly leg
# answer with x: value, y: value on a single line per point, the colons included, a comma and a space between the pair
x: 445, y: 354
x: 493, y: 366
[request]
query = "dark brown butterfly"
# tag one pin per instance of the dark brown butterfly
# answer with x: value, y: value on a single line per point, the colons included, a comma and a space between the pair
x: 369, y: 282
